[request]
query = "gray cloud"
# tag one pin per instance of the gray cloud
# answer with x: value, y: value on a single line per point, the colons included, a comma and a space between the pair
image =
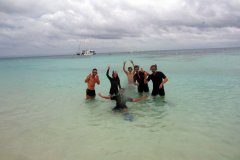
x: 116, y: 25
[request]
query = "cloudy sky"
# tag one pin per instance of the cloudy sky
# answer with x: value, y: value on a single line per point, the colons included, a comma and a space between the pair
x: 43, y: 27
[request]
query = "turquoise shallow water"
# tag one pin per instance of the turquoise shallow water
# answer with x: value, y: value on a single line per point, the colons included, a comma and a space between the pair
x: 43, y: 114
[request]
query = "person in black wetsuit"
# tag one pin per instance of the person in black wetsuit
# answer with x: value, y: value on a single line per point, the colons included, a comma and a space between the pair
x: 140, y: 77
x: 121, y: 100
x: 158, y: 79
x: 115, y: 82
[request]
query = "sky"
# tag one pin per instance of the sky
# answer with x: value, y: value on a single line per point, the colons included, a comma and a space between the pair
x: 63, y: 27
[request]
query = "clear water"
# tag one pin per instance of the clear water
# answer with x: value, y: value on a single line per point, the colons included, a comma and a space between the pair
x: 43, y: 113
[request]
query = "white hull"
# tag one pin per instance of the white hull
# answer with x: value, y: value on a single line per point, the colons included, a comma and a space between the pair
x: 87, y: 53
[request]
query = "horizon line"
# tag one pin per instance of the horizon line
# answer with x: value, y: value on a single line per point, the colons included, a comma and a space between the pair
x: 135, y: 51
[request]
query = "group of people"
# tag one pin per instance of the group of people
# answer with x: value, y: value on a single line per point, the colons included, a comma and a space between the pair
x: 136, y: 76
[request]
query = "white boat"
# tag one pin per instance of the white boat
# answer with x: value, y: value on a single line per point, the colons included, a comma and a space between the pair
x: 86, y: 52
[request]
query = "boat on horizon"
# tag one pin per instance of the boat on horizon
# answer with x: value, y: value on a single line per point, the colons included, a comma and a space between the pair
x: 86, y: 52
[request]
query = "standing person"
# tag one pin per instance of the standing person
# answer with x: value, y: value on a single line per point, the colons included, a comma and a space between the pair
x: 115, y: 82
x: 140, y: 78
x: 158, y: 79
x: 121, y: 100
x: 129, y: 73
x: 91, y: 80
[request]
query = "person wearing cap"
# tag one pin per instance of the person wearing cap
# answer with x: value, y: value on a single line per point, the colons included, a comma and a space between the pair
x: 91, y: 80
x: 115, y: 82
x: 129, y: 73
x: 158, y: 79
x: 121, y: 100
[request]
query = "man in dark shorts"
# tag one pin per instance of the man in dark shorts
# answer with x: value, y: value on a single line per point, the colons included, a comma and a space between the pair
x: 90, y: 93
x: 91, y: 80
x: 121, y: 100
x: 140, y: 77
x: 158, y: 79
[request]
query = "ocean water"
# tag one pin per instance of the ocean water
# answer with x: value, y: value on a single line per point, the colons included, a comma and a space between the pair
x: 44, y: 114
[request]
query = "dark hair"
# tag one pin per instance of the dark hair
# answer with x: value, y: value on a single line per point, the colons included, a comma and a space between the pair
x: 136, y: 66
x: 113, y: 73
x: 129, y: 68
x: 94, y: 69
x: 153, y: 66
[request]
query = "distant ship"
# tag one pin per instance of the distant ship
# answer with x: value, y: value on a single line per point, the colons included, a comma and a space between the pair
x: 86, y: 52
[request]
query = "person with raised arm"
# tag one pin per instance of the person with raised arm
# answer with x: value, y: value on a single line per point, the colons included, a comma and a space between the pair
x: 115, y: 82
x: 129, y: 73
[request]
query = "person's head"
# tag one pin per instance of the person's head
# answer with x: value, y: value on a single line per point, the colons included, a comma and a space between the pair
x: 114, y: 74
x: 130, y: 69
x: 136, y: 68
x: 153, y: 68
x: 94, y: 71
x: 121, y: 91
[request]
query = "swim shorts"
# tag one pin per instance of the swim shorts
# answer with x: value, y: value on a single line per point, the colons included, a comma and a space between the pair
x: 90, y: 93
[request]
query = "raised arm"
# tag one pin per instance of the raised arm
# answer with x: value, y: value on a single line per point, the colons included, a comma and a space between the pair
x: 107, y: 74
x: 105, y: 97
x: 132, y: 64
x: 124, y: 63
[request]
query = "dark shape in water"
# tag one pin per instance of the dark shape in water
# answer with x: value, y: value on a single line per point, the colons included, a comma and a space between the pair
x: 128, y: 117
